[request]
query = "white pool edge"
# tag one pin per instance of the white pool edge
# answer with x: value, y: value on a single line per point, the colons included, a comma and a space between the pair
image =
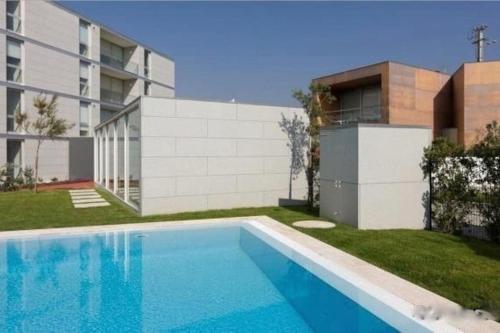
x: 294, y: 240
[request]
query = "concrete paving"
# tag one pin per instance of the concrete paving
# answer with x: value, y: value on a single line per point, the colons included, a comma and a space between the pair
x: 314, y: 224
x: 87, y: 199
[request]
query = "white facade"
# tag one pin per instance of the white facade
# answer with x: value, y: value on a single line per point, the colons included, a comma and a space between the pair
x: 371, y: 176
x: 65, y: 54
x: 198, y: 155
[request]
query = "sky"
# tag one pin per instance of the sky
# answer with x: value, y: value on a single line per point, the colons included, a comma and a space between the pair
x: 258, y: 52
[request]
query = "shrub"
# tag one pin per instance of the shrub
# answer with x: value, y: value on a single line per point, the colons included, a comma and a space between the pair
x: 465, y: 180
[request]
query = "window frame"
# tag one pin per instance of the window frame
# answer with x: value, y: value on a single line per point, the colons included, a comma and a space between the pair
x: 84, y: 81
x: 10, y: 64
x: 14, y: 17
x: 12, y: 116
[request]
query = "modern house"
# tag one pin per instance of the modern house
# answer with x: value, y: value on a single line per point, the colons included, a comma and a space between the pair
x: 457, y: 106
x: 382, y: 119
x: 95, y: 71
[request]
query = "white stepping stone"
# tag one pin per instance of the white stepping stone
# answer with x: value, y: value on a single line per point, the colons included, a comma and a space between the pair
x: 82, y: 191
x: 87, y: 196
x: 78, y: 201
x: 92, y: 205
x: 314, y: 224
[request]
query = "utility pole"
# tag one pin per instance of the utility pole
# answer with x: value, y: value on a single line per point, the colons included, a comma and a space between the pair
x: 480, y: 40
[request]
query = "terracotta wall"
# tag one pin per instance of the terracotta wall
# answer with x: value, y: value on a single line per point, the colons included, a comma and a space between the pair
x: 419, y: 97
x: 467, y: 101
x: 476, y: 88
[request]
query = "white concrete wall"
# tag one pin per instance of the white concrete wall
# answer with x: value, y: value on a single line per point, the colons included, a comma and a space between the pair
x: 371, y: 178
x: 161, y: 91
x: 51, y: 25
x: 162, y: 69
x: 200, y: 155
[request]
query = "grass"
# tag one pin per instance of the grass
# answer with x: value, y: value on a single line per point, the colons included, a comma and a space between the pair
x: 466, y: 271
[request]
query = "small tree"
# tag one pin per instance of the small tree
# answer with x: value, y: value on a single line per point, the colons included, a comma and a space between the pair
x: 312, y: 102
x: 45, y: 126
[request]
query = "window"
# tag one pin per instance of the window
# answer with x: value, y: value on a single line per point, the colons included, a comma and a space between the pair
x: 147, y: 64
x: 14, y: 16
x: 84, y: 79
x: 360, y: 104
x: 147, y: 88
x: 84, y: 38
x: 111, y: 54
x: 13, y: 106
x: 111, y: 89
x: 15, y: 156
x: 84, y: 119
x: 14, y: 65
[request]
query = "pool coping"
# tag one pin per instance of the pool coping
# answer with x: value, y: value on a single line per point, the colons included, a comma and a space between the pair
x: 358, y: 270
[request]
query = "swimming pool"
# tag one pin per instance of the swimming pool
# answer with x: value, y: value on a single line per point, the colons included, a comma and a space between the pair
x: 211, y: 277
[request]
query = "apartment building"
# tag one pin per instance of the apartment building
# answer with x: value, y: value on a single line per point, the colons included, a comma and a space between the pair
x: 95, y: 71
x: 457, y: 106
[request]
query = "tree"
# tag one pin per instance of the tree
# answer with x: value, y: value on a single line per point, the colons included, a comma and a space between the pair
x: 312, y: 102
x: 45, y: 126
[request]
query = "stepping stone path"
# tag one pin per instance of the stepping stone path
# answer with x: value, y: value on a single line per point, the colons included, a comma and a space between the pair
x: 87, y: 199
x: 314, y: 224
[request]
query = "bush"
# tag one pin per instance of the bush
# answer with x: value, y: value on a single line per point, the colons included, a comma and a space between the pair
x: 464, y: 180
x: 9, y: 181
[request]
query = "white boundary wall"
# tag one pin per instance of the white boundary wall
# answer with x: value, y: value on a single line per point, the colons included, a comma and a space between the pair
x: 370, y: 175
x: 198, y: 155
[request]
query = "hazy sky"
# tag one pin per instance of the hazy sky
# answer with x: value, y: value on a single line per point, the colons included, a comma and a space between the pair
x: 260, y: 51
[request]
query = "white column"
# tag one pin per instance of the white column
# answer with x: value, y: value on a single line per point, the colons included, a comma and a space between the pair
x: 125, y: 159
x: 115, y: 157
x: 106, y: 158
x: 96, y: 158
x: 101, y: 156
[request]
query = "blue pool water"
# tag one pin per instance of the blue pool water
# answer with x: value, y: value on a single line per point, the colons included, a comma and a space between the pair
x: 194, y: 280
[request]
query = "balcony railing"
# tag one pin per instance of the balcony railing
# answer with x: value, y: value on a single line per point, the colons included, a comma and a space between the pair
x: 14, y: 73
x: 111, y: 96
x: 129, y: 66
x: 356, y: 115
x: 14, y: 22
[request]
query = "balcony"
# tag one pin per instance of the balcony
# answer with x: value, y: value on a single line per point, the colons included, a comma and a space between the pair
x: 13, y: 22
x: 129, y: 66
x: 111, y: 96
x: 371, y: 114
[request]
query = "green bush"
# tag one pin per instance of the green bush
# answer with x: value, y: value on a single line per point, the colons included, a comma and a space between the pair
x: 464, y: 180
x: 9, y: 181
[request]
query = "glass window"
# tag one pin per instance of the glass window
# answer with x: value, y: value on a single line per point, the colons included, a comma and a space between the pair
x: 134, y: 145
x: 84, y: 79
x: 15, y: 156
x: 147, y: 64
x: 371, y: 103
x: 84, y: 119
x: 14, y: 70
x: 111, y: 54
x: 14, y: 16
x: 13, y: 106
x: 111, y: 157
x: 111, y: 89
x: 84, y: 38
x: 120, y: 158
x: 147, y: 88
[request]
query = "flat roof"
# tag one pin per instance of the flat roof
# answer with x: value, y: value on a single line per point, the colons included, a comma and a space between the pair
x: 377, y: 64
x: 71, y: 11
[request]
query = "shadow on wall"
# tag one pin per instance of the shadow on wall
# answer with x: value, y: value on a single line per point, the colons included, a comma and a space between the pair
x: 296, y: 131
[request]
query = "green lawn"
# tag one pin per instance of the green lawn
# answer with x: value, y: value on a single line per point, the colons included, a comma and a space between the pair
x: 464, y: 270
